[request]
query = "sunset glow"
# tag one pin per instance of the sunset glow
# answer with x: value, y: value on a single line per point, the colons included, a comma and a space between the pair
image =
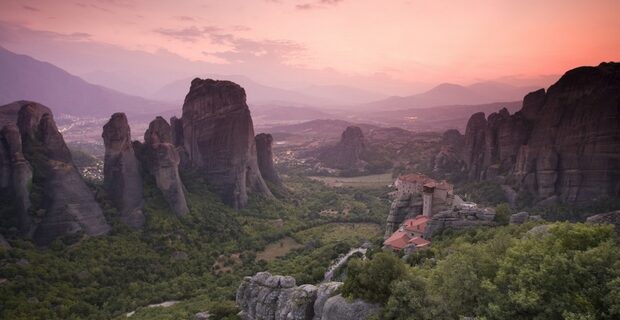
x: 393, y: 46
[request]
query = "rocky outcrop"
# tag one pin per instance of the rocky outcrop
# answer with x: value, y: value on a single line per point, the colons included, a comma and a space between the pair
x: 218, y: 137
x: 405, y: 205
x: 347, y: 154
x: 65, y: 205
x: 519, y: 218
x: 612, y: 218
x: 16, y: 176
x: 162, y: 160
x: 121, y: 171
x: 267, y: 297
x: 459, y: 219
x: 338, y: 308
x: 561, y: 146
x: 448, y: 160
x: 264, y: 156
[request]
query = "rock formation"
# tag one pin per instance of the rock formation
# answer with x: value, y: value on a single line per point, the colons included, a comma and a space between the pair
x: 347, y: 154
x: 40, y: 157
x: 448, y: 161
x: 267, y: 297
x: 519, y: 218
x: 218, y: 137
x: 16, y: 175
x: 264, y: 156
x: 561, y: 146
x: 405, y: 205
x: 612, y: 218
x: 122, y: 178
x: 161, y: 159
x: 459, y: 219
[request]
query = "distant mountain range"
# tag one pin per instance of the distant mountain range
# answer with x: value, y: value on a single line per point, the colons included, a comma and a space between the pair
x: 256, y: 93
x: 24, y: 78
x: 447, y: 94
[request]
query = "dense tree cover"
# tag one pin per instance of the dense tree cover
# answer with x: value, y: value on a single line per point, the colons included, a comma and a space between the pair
x: 559, y: 271
x: 372, y: 280
x: 173, y: 258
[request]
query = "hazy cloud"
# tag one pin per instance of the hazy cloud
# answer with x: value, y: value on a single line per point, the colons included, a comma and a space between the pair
x: 184, y: 18
x: 317, y: 4
x: 29, y: 8
x: 241, y: 49
x: 189, y: 34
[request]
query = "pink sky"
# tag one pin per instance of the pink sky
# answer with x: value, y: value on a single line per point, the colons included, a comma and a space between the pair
x: 393, y: 46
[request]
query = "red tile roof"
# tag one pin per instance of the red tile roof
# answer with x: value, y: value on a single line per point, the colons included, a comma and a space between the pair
x: 398, y: 240
x: 417, y: 224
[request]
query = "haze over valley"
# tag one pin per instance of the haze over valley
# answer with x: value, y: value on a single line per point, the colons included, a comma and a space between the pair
x: 309, y: 160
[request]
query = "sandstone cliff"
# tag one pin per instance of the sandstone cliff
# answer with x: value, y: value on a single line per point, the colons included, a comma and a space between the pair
x: 561, y: 146
x: 40, y: 158
x: 122, y: 178
x: 162, y: 160
x: 267, y: 297
x: 459, y: 219
x: 218, y: 137
x: 347, y: 154
x: 264, y: 155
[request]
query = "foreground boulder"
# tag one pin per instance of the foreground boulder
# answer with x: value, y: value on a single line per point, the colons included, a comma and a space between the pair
x: 267, y: 297
x: 264, y: 156
x: 612, y: 218
x: 65, y: 205
x: 162, y: 161
x: 122, y: 178
x: 218, y: 138
x: 561, y: 146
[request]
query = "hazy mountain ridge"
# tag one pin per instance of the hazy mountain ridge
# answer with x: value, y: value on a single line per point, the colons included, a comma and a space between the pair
x: 23, y: 77
x: 453, y: 94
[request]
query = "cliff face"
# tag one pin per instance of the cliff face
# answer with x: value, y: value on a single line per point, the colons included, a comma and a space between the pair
x: 162, y: 160
x: 39, y: 157
x: 122, y: 179
x: 561, y: 146
x: 348, y: 152
x: 218, y: 137
x: 264, y: 155
x: 267, y: 297
x: 448, y: 160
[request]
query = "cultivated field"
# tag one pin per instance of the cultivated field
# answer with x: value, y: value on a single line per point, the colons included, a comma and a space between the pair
x: 370, y: 181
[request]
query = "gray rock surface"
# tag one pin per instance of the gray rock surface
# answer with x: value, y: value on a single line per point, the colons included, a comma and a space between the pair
x: 162, y: 160
x: 347, y: 154
x: 338, y: 308
x: 405, y: 205
x: 612, y: 218
x: 459, y: 219
x: 268, y: 297
x: 121, y: 171
x: 324, y: 292
x: 218, y: 137
x: 448, y: 161
x: 16, y: 175
x: 67, y: 205
x: 264, y: 156
x: 561, y: 146
x: 519, y: 218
